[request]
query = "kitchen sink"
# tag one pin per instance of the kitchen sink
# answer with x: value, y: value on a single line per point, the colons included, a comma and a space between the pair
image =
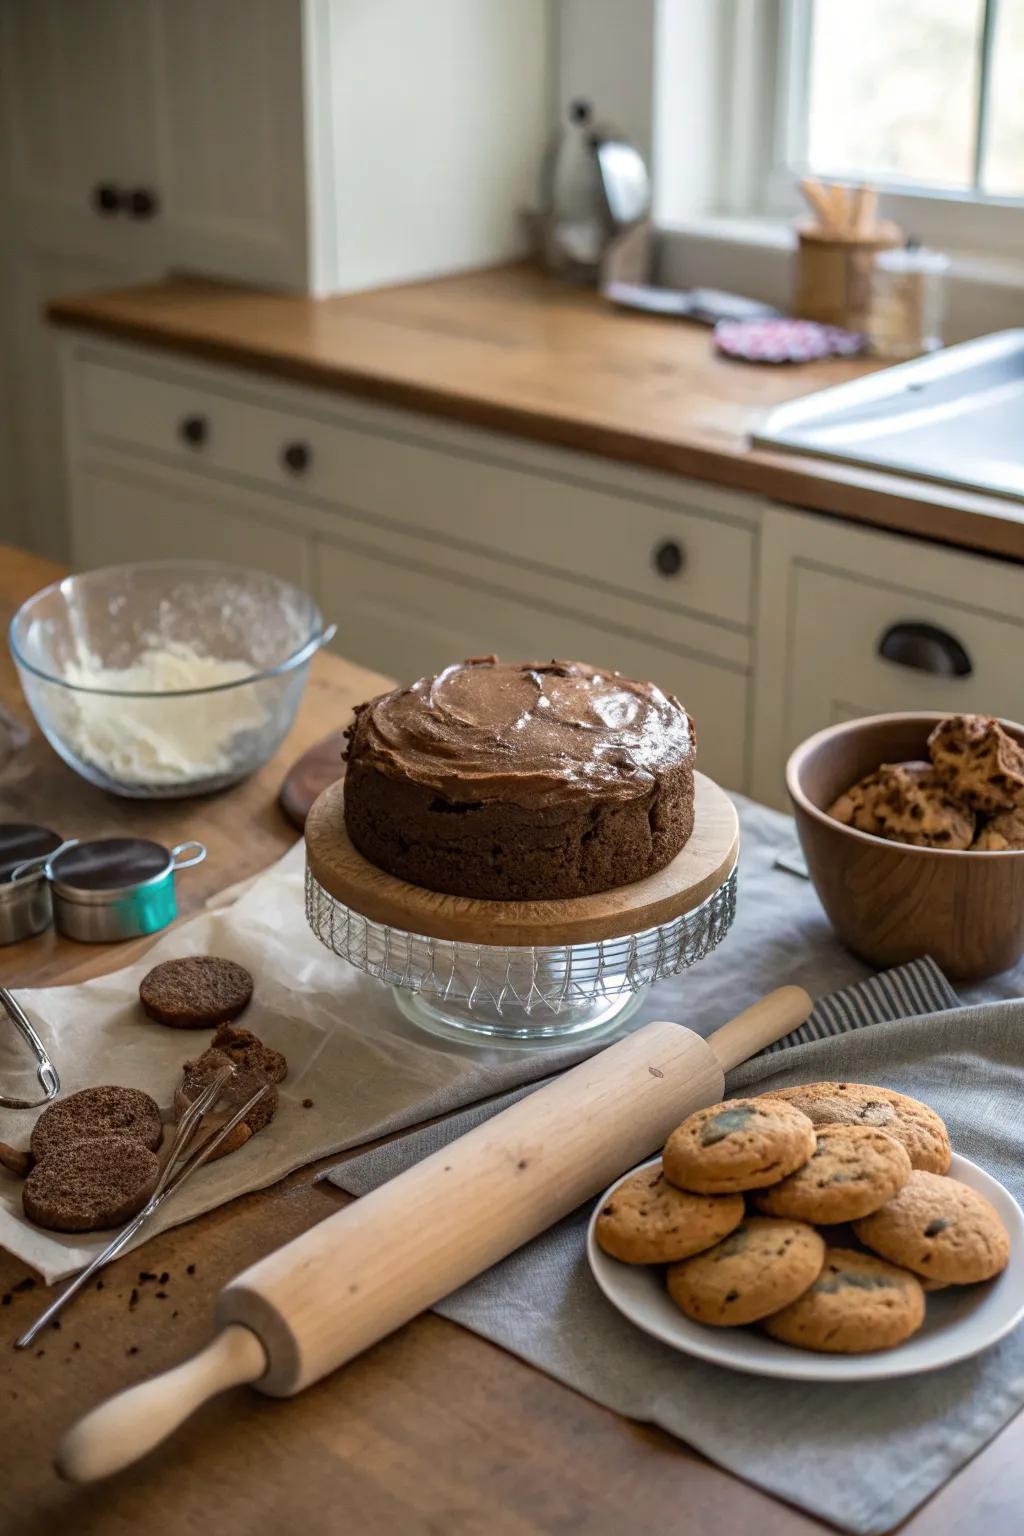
x: 955, y: 416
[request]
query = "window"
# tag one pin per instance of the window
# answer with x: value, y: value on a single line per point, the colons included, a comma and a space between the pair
x: 912, y: 93
x: 922, y: 98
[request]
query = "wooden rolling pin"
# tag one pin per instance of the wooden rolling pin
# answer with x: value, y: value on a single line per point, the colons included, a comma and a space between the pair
x: 331, y: 1293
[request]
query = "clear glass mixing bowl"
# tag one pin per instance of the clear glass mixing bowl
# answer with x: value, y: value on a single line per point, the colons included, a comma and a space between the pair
x: 167, y: 678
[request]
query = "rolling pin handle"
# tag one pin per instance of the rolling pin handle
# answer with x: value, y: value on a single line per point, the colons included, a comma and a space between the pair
x: 125, y: 1427
x: 764, y: 1022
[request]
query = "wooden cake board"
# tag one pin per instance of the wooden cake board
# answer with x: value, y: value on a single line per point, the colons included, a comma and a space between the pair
x: 693, y: 875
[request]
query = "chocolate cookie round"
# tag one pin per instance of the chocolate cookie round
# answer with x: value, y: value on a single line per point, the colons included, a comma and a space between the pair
x: 88, y: 1186
x: 95, y: 1112
x: 195, y: 992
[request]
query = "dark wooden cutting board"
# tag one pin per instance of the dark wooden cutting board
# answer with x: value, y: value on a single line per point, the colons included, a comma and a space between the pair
x: 317, y: 768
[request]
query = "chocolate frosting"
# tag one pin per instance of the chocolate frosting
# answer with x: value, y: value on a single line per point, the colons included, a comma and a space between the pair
x: 528, y: 733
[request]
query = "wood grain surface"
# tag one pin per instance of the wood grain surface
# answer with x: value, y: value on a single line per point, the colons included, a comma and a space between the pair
x: 432, y: 1433
x: 515, y: 350
x: 698, y: 869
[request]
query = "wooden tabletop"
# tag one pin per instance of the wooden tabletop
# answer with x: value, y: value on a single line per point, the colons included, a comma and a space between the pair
x: 434, y: 1430
x: 513, y: 349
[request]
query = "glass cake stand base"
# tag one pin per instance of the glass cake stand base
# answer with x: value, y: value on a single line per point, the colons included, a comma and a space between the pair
x: 532, y: 995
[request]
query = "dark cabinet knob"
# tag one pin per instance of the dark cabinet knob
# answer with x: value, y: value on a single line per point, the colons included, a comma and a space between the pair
x: 669, y: 557
x: 106, y: 198
x: 194, y: 430
x: 925, y: 648
x: 142, y: 203
x: 296, y: 457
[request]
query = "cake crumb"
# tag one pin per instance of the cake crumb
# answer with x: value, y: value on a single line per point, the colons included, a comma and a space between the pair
x: 28, y: 1284
x: 307, y: 1103
x: 133, y: 1299
x: 190, y: 1269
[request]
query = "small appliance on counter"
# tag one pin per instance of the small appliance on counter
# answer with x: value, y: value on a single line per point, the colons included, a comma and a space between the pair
x: 595, y: 184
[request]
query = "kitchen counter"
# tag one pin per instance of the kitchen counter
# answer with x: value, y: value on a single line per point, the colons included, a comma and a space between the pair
x: 433, y: 1430
x: 513, y: 350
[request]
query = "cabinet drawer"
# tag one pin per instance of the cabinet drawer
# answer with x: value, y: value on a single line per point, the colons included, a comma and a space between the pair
x: 118, y: 518
x: 835, y: 670
x: 677, y: 557
x: 407, y: 621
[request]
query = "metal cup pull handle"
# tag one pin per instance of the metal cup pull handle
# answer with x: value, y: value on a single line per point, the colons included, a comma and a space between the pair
x: 41, y: 864
x: 177, y: 862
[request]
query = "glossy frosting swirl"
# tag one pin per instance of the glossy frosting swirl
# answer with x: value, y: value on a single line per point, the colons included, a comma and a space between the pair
x: 529, y: 733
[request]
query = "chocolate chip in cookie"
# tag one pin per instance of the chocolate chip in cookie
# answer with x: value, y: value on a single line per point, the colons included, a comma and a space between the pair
x: 196, y: 992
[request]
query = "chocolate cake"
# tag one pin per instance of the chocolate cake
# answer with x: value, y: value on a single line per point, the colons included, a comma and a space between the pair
x: 521, y: 781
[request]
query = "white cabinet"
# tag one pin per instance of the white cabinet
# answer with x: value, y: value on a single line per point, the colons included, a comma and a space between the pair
x: 122, y: 515
x: 78, y: 89
x: 422, y: 541
x: 319, y: 145
x: 834, y: 596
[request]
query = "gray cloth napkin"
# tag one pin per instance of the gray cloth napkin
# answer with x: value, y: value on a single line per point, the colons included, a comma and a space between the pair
x: 861, y: 1457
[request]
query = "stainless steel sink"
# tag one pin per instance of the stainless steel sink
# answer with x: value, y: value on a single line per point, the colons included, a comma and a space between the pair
x: 956, y: 416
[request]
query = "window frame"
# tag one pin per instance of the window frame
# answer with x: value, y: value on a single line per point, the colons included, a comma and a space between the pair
x: 764, y: 47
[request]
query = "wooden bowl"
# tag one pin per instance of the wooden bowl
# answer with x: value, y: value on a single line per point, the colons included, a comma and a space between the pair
x: 890, y: 902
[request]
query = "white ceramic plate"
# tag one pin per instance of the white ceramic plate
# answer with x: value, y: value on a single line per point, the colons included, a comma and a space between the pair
x: 959, y: 1322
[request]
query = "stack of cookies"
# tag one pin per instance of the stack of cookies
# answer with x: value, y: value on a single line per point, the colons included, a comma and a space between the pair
x: 92, y: 1163
x: 970, y: 794
x: 822, y: 1213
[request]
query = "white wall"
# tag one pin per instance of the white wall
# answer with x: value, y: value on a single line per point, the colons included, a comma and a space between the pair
x: 430, y: 160
x: 605, y: 52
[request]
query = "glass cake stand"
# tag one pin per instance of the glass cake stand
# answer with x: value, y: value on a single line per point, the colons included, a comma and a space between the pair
x: 522, y: 973
x: 512, y: 992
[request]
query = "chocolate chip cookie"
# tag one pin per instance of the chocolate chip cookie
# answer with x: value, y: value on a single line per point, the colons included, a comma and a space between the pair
x: 856, y: 1304
x: 96, y: 1112
x: 1004, y: 831
x: 907, y: 803
x: 854, y: 1169
x: 88, y: 1186
x: 759, y: 1268
x: 648, y: 1221
x: 736, y: 1145
x: 195, y: 992
x: 940, y: 1228
x: 915, y: 1124
x: 980, y: 762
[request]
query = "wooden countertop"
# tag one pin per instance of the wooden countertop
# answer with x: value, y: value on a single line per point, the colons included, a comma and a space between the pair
x: 434, y: 1430
x: 514, y: 350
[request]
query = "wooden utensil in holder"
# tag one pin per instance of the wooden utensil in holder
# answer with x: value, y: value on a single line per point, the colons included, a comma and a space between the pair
x: 835, y: 254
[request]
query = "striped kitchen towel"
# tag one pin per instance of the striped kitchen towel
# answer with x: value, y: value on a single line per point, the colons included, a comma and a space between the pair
x: 917, y: 988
